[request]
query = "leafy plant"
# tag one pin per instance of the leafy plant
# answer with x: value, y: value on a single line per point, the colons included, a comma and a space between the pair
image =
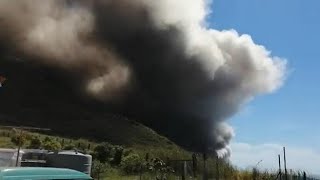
x: 103, y: 152
x: 35, y: 143
x: 51, y: 144
x: 132, y: 163
x: 99, y: 168
x: 19, y: 139
x: 117, y: 155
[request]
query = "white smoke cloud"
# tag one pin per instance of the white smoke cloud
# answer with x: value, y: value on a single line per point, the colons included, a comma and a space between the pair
x: 236, y: 55
x: 179, y: 12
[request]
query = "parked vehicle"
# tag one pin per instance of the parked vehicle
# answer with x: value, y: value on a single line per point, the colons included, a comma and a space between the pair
x: 41, y: 173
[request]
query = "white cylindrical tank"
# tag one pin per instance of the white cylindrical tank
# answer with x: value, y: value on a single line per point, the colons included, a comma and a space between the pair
x: 70, y: 159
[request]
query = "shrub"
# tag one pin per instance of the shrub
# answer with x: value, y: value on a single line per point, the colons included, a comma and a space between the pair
x: 132, y: 163
x: 19, y: 139
x: 117, y: 155
x: 69, y: 147
x: 82, y: 145
x: 51, y: 144
x: 35, y: 143
x: 102, y: 152
x: 99, y: 168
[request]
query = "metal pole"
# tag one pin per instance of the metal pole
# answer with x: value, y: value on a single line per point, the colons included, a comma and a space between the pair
x: 205, y: 175
x: 184, y: 170
x: 285, y: 164
x: 280, y: 166
x: 217, y: 166
x: 140, y: 173
x: 19, y: 147
x: 18, y: 154
x: 194, y: 165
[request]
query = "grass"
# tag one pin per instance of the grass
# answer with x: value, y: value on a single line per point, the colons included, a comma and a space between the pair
x: 5, y: 142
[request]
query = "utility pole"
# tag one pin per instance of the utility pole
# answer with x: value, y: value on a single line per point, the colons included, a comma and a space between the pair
x: 19, y: 147
x: 205, y: 151
x: 280, y: 174
x: 304, y: 175
x: 285, y: 164
x: 205, y: 171
x: 184, y: 170
x: 194, y: 165
x: 217, y: 168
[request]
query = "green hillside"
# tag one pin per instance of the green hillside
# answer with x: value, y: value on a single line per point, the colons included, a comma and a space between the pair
x: 133, y: 163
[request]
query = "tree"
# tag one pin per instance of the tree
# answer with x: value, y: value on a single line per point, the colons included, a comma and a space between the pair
x: 159, y: 167
x: 35, y: 143
x: 69, y: 147
x: 132, y: 163
x: 51, y: 144
x: 98, y: 168
x: 102, y: 152
x: 82, y: 145
x: 117, y: 158
x: 19, y: 139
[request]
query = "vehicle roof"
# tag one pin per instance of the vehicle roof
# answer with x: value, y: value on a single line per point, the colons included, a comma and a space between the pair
x: 37, y: 173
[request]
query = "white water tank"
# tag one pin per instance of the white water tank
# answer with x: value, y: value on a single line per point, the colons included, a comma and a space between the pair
x: 71, y: 160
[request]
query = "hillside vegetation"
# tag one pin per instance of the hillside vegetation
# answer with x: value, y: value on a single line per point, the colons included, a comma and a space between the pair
x: 132, y: 162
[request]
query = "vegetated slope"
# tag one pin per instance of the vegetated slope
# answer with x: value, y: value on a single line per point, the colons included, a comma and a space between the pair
x: 36, y: 96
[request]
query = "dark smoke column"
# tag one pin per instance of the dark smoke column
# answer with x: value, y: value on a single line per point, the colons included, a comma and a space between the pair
x: 154, y: 60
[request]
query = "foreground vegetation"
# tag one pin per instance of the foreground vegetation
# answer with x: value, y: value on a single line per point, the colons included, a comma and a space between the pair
x: 136, y: 161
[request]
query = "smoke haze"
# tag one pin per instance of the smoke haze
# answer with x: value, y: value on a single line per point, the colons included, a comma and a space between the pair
x: 154, y: 60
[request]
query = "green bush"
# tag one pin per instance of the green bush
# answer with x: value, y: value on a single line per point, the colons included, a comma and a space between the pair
x: 51, y: 144
x: 82, y: 145
x: 69, y: 147
x: 103, y: 152
x: 35, y: 143
x: 117, y: 155
x: 19, y: 139
x: 99, y: 168
x: 132, y: 163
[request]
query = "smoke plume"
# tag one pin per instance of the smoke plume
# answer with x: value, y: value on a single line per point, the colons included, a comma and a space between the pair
x: 154, y: 60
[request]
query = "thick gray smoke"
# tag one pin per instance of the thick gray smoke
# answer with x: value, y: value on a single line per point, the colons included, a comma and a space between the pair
x: 157, y: 60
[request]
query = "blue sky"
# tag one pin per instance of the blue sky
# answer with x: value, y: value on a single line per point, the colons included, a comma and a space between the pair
x: 290, y: 30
